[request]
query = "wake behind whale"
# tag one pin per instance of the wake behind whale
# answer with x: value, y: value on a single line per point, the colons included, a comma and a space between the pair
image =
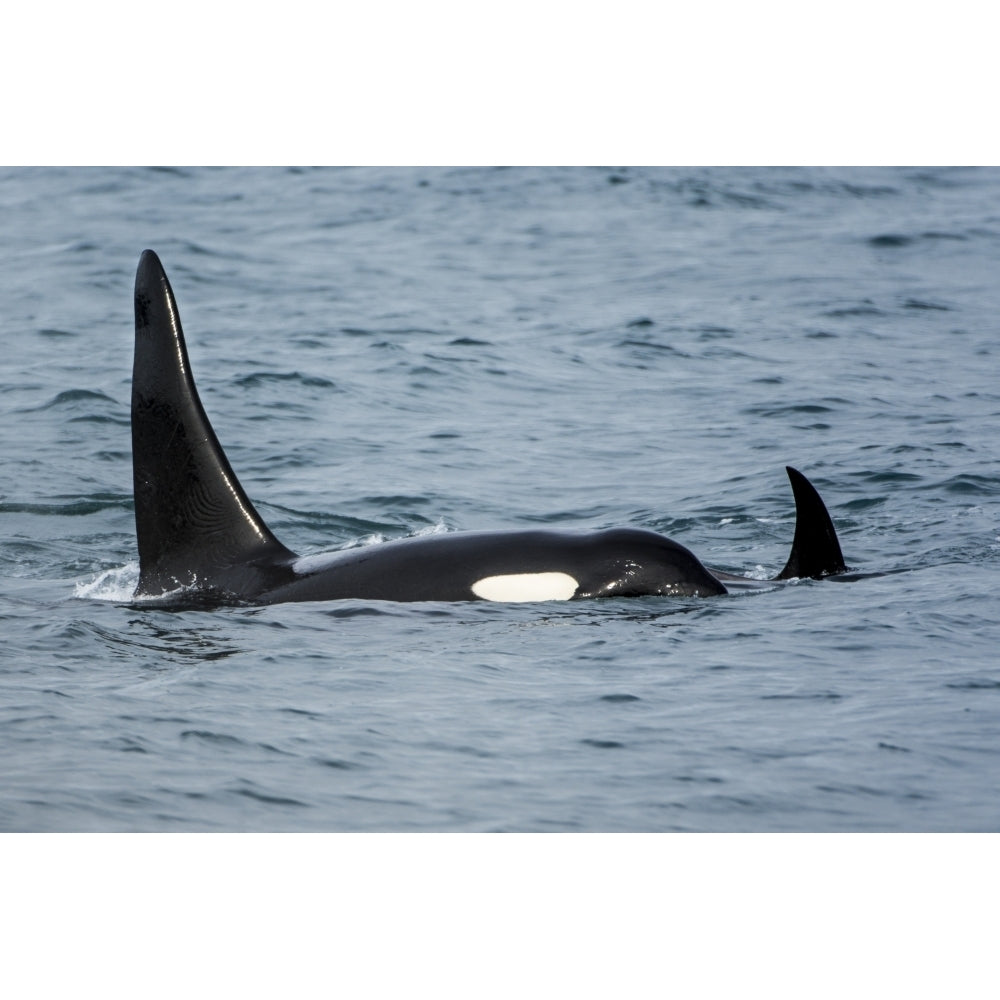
x: 198, y: 531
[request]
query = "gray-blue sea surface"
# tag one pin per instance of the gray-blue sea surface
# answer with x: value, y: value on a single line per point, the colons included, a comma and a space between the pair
x: 387, y: 352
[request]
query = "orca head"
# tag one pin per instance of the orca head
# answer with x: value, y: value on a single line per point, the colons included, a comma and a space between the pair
x: 631, y: 562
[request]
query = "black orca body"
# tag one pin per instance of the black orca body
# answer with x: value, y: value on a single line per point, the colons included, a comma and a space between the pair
x: 199, y: 533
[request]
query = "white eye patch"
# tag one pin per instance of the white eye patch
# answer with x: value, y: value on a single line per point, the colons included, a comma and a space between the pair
x: 526, y: 587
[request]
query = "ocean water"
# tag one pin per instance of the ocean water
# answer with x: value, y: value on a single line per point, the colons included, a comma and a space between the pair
x: 387, y: 352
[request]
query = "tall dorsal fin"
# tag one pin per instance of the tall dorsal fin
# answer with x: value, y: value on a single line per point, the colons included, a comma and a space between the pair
x: 194, y: 523
x: 815, y: 547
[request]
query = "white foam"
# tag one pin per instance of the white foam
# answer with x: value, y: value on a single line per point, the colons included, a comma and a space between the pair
x: 526, y: 587
x: 376, y: 538
x: 116, y: 584
x: 316, y: 561
x: 434, y: 529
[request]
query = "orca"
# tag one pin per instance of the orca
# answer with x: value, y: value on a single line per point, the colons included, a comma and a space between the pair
x: 199, y: 535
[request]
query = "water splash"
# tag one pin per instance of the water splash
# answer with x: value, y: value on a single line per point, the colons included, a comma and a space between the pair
x: 115, y: 585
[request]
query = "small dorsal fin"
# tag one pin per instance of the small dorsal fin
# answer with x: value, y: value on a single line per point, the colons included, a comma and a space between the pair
x: 194, y: 523
x: 815, y: 547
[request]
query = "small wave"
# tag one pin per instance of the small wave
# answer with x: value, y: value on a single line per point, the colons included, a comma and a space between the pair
x: 639, y: 346
x: 349, y: 609
x: 925, y: 304
x: 76, y: 507
x: 72, y: 397
x: 207, y: 736
x: 851, y: 310
x: 251, y: 792
x: 790, y: 409
x: 803, y: 696
x: 172, y: 171
x: 934, y: 234
x: 968, y: 484
x: 890, y: 240
x: 335, y: 763
x: 262, y: 378
x: 469, y: 342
